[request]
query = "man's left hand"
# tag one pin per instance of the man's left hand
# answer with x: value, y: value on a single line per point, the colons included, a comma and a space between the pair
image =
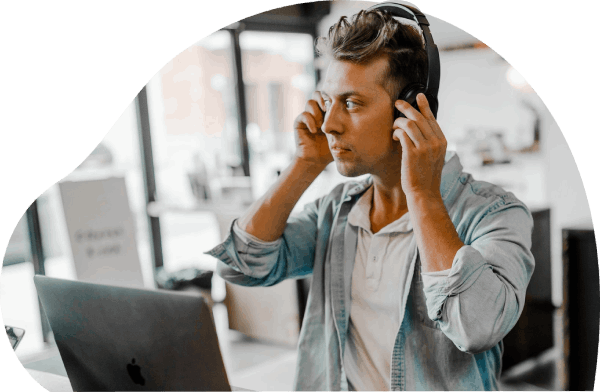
x: 423, y: 149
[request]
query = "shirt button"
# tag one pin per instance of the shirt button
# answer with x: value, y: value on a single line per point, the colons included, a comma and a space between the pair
x: 374, y: 259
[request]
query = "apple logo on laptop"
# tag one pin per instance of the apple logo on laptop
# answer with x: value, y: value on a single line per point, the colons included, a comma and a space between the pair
x: 135, y: 372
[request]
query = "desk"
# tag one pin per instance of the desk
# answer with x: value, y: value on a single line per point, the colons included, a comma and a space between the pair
x: 51, y: 382
x: 55, y: 383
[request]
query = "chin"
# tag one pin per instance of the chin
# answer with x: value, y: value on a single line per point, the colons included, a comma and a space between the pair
x: 349, y: 170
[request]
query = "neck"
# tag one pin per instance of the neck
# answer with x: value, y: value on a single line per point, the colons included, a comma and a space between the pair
x: 388, y: 198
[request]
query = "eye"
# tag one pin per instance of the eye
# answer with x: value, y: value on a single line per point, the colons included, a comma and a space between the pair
x: 350, y: 105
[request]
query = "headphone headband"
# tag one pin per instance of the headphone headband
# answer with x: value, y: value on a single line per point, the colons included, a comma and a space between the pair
x: 433, y: 57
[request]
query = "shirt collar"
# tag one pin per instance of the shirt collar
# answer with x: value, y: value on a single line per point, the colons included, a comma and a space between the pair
x: 359, y: 216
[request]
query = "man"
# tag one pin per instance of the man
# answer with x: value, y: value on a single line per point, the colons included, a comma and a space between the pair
x: 419, y: 271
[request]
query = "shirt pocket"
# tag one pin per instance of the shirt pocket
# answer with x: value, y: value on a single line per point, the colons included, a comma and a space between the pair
x: 420, y: 302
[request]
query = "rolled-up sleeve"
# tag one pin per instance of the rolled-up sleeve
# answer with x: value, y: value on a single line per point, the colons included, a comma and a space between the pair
x: 249, y: 261
x: 482, y: 297
x: 256, y: 257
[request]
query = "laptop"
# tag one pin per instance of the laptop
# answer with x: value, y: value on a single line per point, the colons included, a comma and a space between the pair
x: 119, y: 338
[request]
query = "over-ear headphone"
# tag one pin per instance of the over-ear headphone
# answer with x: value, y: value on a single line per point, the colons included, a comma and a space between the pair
x: 410, y: 92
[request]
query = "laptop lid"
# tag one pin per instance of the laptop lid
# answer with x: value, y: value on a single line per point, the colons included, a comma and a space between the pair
x: 119, y: 338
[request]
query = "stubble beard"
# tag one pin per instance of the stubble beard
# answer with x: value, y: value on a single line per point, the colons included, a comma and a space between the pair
x: 350, y: 169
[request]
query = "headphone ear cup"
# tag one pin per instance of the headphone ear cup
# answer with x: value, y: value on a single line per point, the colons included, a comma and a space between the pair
x: 409, y: 94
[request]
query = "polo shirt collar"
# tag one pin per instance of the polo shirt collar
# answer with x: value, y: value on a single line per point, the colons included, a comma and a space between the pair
x: 359, y: 216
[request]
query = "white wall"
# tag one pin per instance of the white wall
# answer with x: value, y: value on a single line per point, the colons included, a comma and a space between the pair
x: 475, y: 94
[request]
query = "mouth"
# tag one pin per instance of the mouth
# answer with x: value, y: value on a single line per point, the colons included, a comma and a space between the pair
x: 338, y: 150
x: 340, y: 147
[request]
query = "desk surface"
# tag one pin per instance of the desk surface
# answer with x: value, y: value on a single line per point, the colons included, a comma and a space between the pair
x: 55, y: 383
x: 51, y: 382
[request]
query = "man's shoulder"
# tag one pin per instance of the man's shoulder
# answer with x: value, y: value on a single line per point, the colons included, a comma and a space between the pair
x: 485, y: 194
x: 481, y: 202
x: 482, y: 207
x: 463, y: 190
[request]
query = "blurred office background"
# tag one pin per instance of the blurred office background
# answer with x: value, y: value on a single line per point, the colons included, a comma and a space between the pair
x: 212, y: 130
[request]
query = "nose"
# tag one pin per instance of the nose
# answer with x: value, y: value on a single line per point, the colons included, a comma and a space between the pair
x: 332, y: 121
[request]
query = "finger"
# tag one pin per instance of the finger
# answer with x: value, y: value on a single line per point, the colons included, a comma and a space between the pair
x: 414, y: 115
x: 317, y: 97
x: 311, y: 124
x: 313, y: 108
x: 306, y: 121
x: 403, y: 138
x: 407, y: 109
x: 412, y: 129
x: 425, y: 109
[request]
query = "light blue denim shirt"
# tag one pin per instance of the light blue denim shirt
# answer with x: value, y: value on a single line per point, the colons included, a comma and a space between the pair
x: 451, y: 330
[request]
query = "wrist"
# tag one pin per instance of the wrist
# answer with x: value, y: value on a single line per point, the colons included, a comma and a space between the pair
x: 424, y: 197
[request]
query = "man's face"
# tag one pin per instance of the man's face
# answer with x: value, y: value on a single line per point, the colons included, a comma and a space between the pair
x: 359, y: 118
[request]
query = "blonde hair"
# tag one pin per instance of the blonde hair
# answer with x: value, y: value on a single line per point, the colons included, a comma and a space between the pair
x: 368, y: 35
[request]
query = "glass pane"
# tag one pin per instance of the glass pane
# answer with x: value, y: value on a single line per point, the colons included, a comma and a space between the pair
x: 18, y: 297
x: 279, y: 77
x: 116, y: 156
x: 18, y: 250
x: 491, y: 121
x: 196, y: 147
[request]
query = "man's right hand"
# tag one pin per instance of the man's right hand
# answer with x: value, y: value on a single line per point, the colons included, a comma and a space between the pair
x: 267, y: 217
x: 311, y: 142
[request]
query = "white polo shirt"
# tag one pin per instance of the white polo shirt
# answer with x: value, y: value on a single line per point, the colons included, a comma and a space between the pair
x: 379, y: 277
x: 380, y: 274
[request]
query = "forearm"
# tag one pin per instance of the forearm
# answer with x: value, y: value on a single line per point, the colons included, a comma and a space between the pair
x: 481, y: 298
x: 477, y: 318
x: 474, y: 305
x: 267, y: 217
x: 436, y: 236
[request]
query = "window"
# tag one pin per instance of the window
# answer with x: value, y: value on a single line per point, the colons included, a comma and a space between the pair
x: 116, y: 156
x: 279, y: 76
x: 195, y: 138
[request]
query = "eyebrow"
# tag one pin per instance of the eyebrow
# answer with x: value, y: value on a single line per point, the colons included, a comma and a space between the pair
x: 346, y: 94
